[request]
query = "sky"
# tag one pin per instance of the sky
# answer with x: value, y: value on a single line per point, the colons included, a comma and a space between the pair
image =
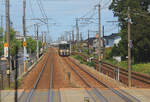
x: 62, y: 15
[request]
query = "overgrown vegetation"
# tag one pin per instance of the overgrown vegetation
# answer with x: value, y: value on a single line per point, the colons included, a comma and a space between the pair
x: 140, y: 35
x: 141, y: 67
x: 15, y: 43
x: 89, y: 63
x: 31, y: 45
x: 1, y: 42
x: 140, y: 32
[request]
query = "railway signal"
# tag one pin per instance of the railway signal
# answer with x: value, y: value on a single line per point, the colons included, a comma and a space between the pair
x: 25, y: 44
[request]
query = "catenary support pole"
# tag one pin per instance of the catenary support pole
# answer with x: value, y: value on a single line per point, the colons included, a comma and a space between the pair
x: 99, y: 32
x: 129, y: 49
x: 24, y: 33
x: 8, y: 40
x: 88, y: 41
x: 37, y: 26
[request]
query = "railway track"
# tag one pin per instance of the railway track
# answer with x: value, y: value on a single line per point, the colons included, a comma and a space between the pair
x: 37, y: 93
x: 24, y: 94
x: 138, y: 79
x: 50, y: 91
x: 32, y: 91
x: 96, y: 94
x: 95, y: 91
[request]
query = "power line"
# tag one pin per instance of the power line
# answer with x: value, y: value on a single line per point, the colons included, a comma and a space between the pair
x: 31, y: 7
x: 106, y: 5
x: 43, y: 13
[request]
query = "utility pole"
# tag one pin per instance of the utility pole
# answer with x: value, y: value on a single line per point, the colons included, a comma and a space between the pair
x: 99, y: 32
x: 8, y: 40
x: 81, y: 37
x: 37, y: 28
x: 77, y: 30
x: 77, y: 33
x: 129, y: 49
x: 16, y: 77
x: 66, y: 37
x: 103, y: 42
x: 24, y: 33
x: 2, y: 28
x: 88, y: 42
x: 72, y: 35
x: 43, y: 42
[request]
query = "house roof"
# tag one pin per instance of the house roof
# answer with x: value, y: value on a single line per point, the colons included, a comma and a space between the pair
x: 90, y: 39
x: 113, y: 35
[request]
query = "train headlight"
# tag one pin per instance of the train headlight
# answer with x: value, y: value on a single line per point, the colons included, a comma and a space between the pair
x: 61, y: 51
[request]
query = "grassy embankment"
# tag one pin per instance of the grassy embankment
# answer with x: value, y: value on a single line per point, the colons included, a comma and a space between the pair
x: 85, y: 53
x: 141, y: 67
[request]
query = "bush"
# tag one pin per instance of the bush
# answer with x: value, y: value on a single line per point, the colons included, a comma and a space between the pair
x: 91, y: 64
x: 78, y: 57
x: 107, y: 53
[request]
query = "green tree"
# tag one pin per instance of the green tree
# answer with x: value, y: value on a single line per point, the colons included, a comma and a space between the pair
x: 140, y: 32
x: 31, y: 45
x: 114, y: 51
x: 1, y: 42
x: 1, y: 34
x: 14, y: 43
x: 1, y: 48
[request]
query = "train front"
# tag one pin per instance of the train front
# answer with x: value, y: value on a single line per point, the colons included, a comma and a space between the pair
x: 64, y: 49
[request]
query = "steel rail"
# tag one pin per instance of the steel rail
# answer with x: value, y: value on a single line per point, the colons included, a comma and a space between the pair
x: 97, y: 93
x: 90, y: 95
x: 135, y: 73
x: 36, y: 83
x: 135, y: 76
x: 101, y: 83
x: 50, y: 92
x: 130, y: 95
x: 59, y: 95
x: 21, y: 96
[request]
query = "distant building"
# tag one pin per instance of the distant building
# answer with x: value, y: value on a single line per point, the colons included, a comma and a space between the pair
x: 20, y: 36
x: 109, y: 41
x: 112, y: 39
x: 92, y: 42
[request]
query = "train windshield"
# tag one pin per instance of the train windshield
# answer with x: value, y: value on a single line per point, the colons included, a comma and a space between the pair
x: 64, y: 46
x: 67, y: 46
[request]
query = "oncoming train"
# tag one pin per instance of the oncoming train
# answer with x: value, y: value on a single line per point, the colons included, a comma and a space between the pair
x: 64, y: 49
